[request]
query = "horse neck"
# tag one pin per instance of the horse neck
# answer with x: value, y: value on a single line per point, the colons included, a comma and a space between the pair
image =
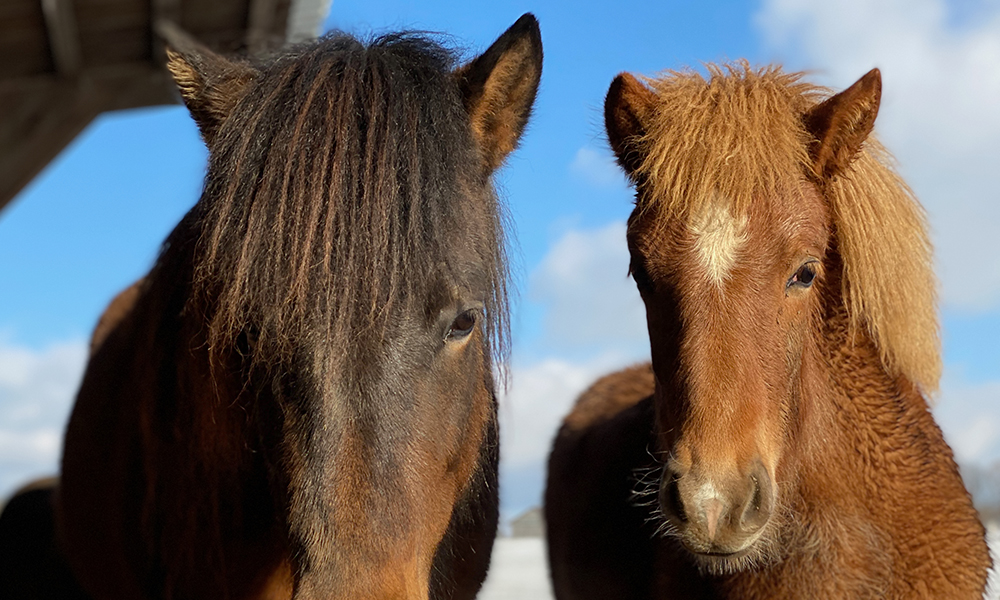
x: 208, y: 514
x: 868, y: 455
x: 846, y: 383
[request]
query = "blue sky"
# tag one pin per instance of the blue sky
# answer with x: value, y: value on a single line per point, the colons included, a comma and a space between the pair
x: 92, y: 222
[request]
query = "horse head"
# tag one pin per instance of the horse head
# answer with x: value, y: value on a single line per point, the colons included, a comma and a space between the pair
x: 745, y: 249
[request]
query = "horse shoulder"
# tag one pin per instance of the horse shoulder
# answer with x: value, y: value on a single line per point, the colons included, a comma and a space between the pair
x: 116, y: 310
x: 610, y: 395
x: 888, y: 502
x: 100, y: 452
x: 941, y: 543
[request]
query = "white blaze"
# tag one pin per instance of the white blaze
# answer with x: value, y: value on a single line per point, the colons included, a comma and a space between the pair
x: 718, y: 238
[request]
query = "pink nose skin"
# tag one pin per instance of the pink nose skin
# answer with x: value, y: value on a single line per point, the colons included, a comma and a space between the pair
x: 713, y: 510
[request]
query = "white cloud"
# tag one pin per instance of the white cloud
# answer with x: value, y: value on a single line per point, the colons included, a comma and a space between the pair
x: 939, y: 113
x: 597, y: 167
x: 583, y: 283
x: 594, y: 324
x: 37, y: 389
x: 969, y: 416
x: 540, y: 396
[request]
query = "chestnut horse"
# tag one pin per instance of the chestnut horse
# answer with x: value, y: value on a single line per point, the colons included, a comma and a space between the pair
x: 298, y: 400
x: 780, y: 444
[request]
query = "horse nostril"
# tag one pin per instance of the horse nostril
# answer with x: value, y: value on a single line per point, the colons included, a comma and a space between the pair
x: 670, y: 498
x: 757, y: 509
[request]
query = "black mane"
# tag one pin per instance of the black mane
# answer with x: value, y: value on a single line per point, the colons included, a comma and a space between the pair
x: 336, y: 195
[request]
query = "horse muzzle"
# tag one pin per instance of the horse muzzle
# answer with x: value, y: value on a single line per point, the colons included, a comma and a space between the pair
x: 717, y: 516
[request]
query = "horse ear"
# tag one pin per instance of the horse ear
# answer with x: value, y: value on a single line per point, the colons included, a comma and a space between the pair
x: 499, y: 87
x: 210, y: 85
x: 840, y: 124
x: 627, y: 109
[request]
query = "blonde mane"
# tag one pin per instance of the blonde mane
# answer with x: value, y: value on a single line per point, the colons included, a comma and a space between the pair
x: 739, y: 134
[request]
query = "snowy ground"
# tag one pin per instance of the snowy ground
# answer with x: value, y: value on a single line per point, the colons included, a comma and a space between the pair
x: 520, y: 570
x: 993, y: 589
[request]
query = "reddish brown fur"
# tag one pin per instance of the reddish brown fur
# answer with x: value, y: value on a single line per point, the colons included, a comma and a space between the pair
x: 609, y: 396
x: 864, y: 499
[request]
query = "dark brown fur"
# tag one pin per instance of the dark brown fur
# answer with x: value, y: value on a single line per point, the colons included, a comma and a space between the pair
x: 120, y: 306
x: 287, y: 411
x: 813, y: 389
x: 31, y: 565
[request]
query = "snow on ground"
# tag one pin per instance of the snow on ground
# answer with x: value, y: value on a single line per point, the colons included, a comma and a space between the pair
x: 993, y: 537
x: 520, y: 571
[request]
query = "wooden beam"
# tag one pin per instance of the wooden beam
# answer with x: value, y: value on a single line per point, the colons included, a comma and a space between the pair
x: 304, y: 19
x: 155, y: 87
x: 260, y: 25
x: 57, y: 120
x: 64, y: 41
x: 169, y: 10
x: 169, y: 32
x: 51, y: 114
x: 164, y: 11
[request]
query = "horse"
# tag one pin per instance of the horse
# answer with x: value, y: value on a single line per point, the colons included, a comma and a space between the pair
x: 779, y: 443
x: 32, y: 565
x: 116, y: 310
x: 298, y: 400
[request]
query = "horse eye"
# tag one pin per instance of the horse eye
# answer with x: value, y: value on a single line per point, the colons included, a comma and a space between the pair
x: 639, y: 275
x: 804, y: 276
x: 462, y: 325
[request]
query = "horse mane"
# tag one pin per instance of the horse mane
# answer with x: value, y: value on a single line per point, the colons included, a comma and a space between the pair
x: 739, y: 134
x: 335, y: 192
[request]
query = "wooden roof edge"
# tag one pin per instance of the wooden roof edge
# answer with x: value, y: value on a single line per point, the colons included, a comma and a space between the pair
x: 55, y: 107
x: 305, y: 19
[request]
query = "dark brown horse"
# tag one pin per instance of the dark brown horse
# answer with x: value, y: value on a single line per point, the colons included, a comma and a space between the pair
x: 32, y: 566
x: 300, y: 400
x: 780, y: 444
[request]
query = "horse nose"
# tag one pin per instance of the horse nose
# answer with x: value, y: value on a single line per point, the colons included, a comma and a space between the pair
x: 756, y: 508
x: 718, y: 515
x: 713, y: 512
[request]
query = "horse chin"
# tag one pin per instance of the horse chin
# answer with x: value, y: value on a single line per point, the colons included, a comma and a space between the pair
x: 726, y: 564
x: 751, y: 557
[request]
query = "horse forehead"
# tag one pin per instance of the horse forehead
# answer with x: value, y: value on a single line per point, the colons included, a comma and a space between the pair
x: 719, y: 237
